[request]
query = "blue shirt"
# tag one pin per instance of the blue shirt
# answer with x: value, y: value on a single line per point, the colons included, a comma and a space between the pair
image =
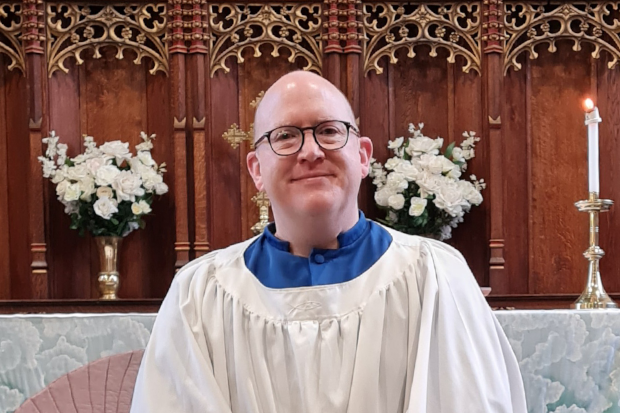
x: 269, y: 259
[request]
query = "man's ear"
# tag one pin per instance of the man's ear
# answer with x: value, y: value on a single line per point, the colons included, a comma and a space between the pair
x: 365, y: 154
x: 254, y: 169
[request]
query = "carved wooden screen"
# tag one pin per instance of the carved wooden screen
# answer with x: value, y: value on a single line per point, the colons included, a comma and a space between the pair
x: 190, y: 71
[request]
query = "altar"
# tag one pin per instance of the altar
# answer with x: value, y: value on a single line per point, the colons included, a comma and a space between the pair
x: 569, y: 359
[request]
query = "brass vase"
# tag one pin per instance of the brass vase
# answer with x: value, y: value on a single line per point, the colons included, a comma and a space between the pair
x: 108, y: 258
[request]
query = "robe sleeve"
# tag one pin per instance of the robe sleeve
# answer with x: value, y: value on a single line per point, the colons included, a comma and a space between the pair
x: 176, y: 373
x: 464, y: 362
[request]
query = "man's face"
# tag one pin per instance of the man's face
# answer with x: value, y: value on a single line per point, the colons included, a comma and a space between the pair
x: 313, y: 181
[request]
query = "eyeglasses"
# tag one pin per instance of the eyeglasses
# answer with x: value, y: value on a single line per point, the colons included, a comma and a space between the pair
x: 330, y: 135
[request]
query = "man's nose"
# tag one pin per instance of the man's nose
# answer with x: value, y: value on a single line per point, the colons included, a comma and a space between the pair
x: 310, y: 151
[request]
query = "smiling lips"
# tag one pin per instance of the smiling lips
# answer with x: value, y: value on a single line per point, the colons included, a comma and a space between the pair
x: 311, y: 176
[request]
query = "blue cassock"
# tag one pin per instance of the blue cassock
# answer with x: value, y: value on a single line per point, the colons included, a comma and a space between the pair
x: 269, y: 259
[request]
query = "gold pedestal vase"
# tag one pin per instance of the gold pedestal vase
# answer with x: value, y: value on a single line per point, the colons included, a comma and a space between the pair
x: 108, y: 249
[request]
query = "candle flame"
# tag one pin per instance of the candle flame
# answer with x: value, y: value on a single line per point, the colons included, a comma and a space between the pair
x: 588, y: 104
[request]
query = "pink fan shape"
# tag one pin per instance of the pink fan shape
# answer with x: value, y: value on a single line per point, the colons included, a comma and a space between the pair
x: 103, y: 386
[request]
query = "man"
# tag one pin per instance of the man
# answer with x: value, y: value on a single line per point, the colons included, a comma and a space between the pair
x: 325, y: 311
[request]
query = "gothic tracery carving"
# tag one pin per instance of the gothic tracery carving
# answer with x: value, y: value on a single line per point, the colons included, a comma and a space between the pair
x: 451, y: 26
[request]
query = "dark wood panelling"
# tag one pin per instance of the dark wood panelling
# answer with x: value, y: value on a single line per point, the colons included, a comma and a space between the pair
x: 558, y: 234
x: 69, y: 255
x: 471, y: 237
x: 374, y: 123
x: 224, y: 185
x: 158, y: 258
x: 5, y: 251
x: 18, y: 165
x: 516, y: 182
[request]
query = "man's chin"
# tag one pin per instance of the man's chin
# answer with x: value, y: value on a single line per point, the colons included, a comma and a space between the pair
x: 315, y: 204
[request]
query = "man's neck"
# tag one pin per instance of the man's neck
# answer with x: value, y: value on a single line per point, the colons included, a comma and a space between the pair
x: 305, y: 234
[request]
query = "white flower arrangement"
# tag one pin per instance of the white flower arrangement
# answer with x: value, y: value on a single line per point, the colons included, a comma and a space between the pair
x: 421, y: 188
x: 106, y: 190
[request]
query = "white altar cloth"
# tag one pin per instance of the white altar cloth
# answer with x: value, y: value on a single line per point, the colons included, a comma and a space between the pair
x: 570, y: 360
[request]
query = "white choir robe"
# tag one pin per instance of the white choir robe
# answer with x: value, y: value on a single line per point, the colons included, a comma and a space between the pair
x: 412, y: 334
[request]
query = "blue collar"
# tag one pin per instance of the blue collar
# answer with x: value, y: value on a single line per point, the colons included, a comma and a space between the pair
x: 269, y: 259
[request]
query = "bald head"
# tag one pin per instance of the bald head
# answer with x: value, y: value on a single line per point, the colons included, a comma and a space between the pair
x: 294, y: 92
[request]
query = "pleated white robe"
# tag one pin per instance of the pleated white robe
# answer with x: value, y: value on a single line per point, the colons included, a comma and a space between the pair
x: 412, y: 334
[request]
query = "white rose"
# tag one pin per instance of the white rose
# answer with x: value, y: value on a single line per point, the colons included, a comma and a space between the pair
x: 136, y: 209
x: 94, y: 164
x: 106, y: 174
x: 77, y: 172
x: 455, y: 172
x: 116, y: 150
x: 382, y: 196
x: 470, y: 193
x: 396, y: 201
x: 396, y: 143
x: 417, y: 206
x: 457, y: 154
x: 127, y: 186
x: 146, y: 158
x: 146, y: 208
x: 161, y: 188
x: 410, y: 172
x: 140, y: 208
x: 138, y: 167
x: 59, y: 176
x: 61, y: 188
x: 104, y: 191
x: 450, y: 199
x: 433, y: 164
x: 105, y: 207
x: 428, y: 183
x: 392, y: 163
x: 447, y: 164
x: 72, y: 192
x: 150, y: 178
x: 396, y: 182
x: 87, y: 186
x: 421, y: 145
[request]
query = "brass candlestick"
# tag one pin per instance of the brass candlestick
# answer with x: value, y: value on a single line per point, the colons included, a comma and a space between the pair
x: 594, y: 295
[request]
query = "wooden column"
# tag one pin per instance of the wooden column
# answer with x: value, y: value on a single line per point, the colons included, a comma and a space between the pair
x: 178, y: 50
x: 342, y: 33
x: 493, y: 40
x: 331, y: 38
x: 197, y: 88
x: 33, y: 38
x: 353, y: 51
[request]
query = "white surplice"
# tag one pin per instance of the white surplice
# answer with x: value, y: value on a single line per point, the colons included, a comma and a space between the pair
x: 412, y: 334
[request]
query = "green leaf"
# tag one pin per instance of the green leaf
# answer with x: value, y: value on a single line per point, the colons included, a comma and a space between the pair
x: 449, y: 149
x: 114, y: 221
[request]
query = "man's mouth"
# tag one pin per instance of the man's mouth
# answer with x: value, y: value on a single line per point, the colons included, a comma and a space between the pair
x: 311, y: 176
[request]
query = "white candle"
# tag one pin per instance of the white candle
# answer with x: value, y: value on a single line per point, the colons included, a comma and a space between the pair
x: 592, y: 121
